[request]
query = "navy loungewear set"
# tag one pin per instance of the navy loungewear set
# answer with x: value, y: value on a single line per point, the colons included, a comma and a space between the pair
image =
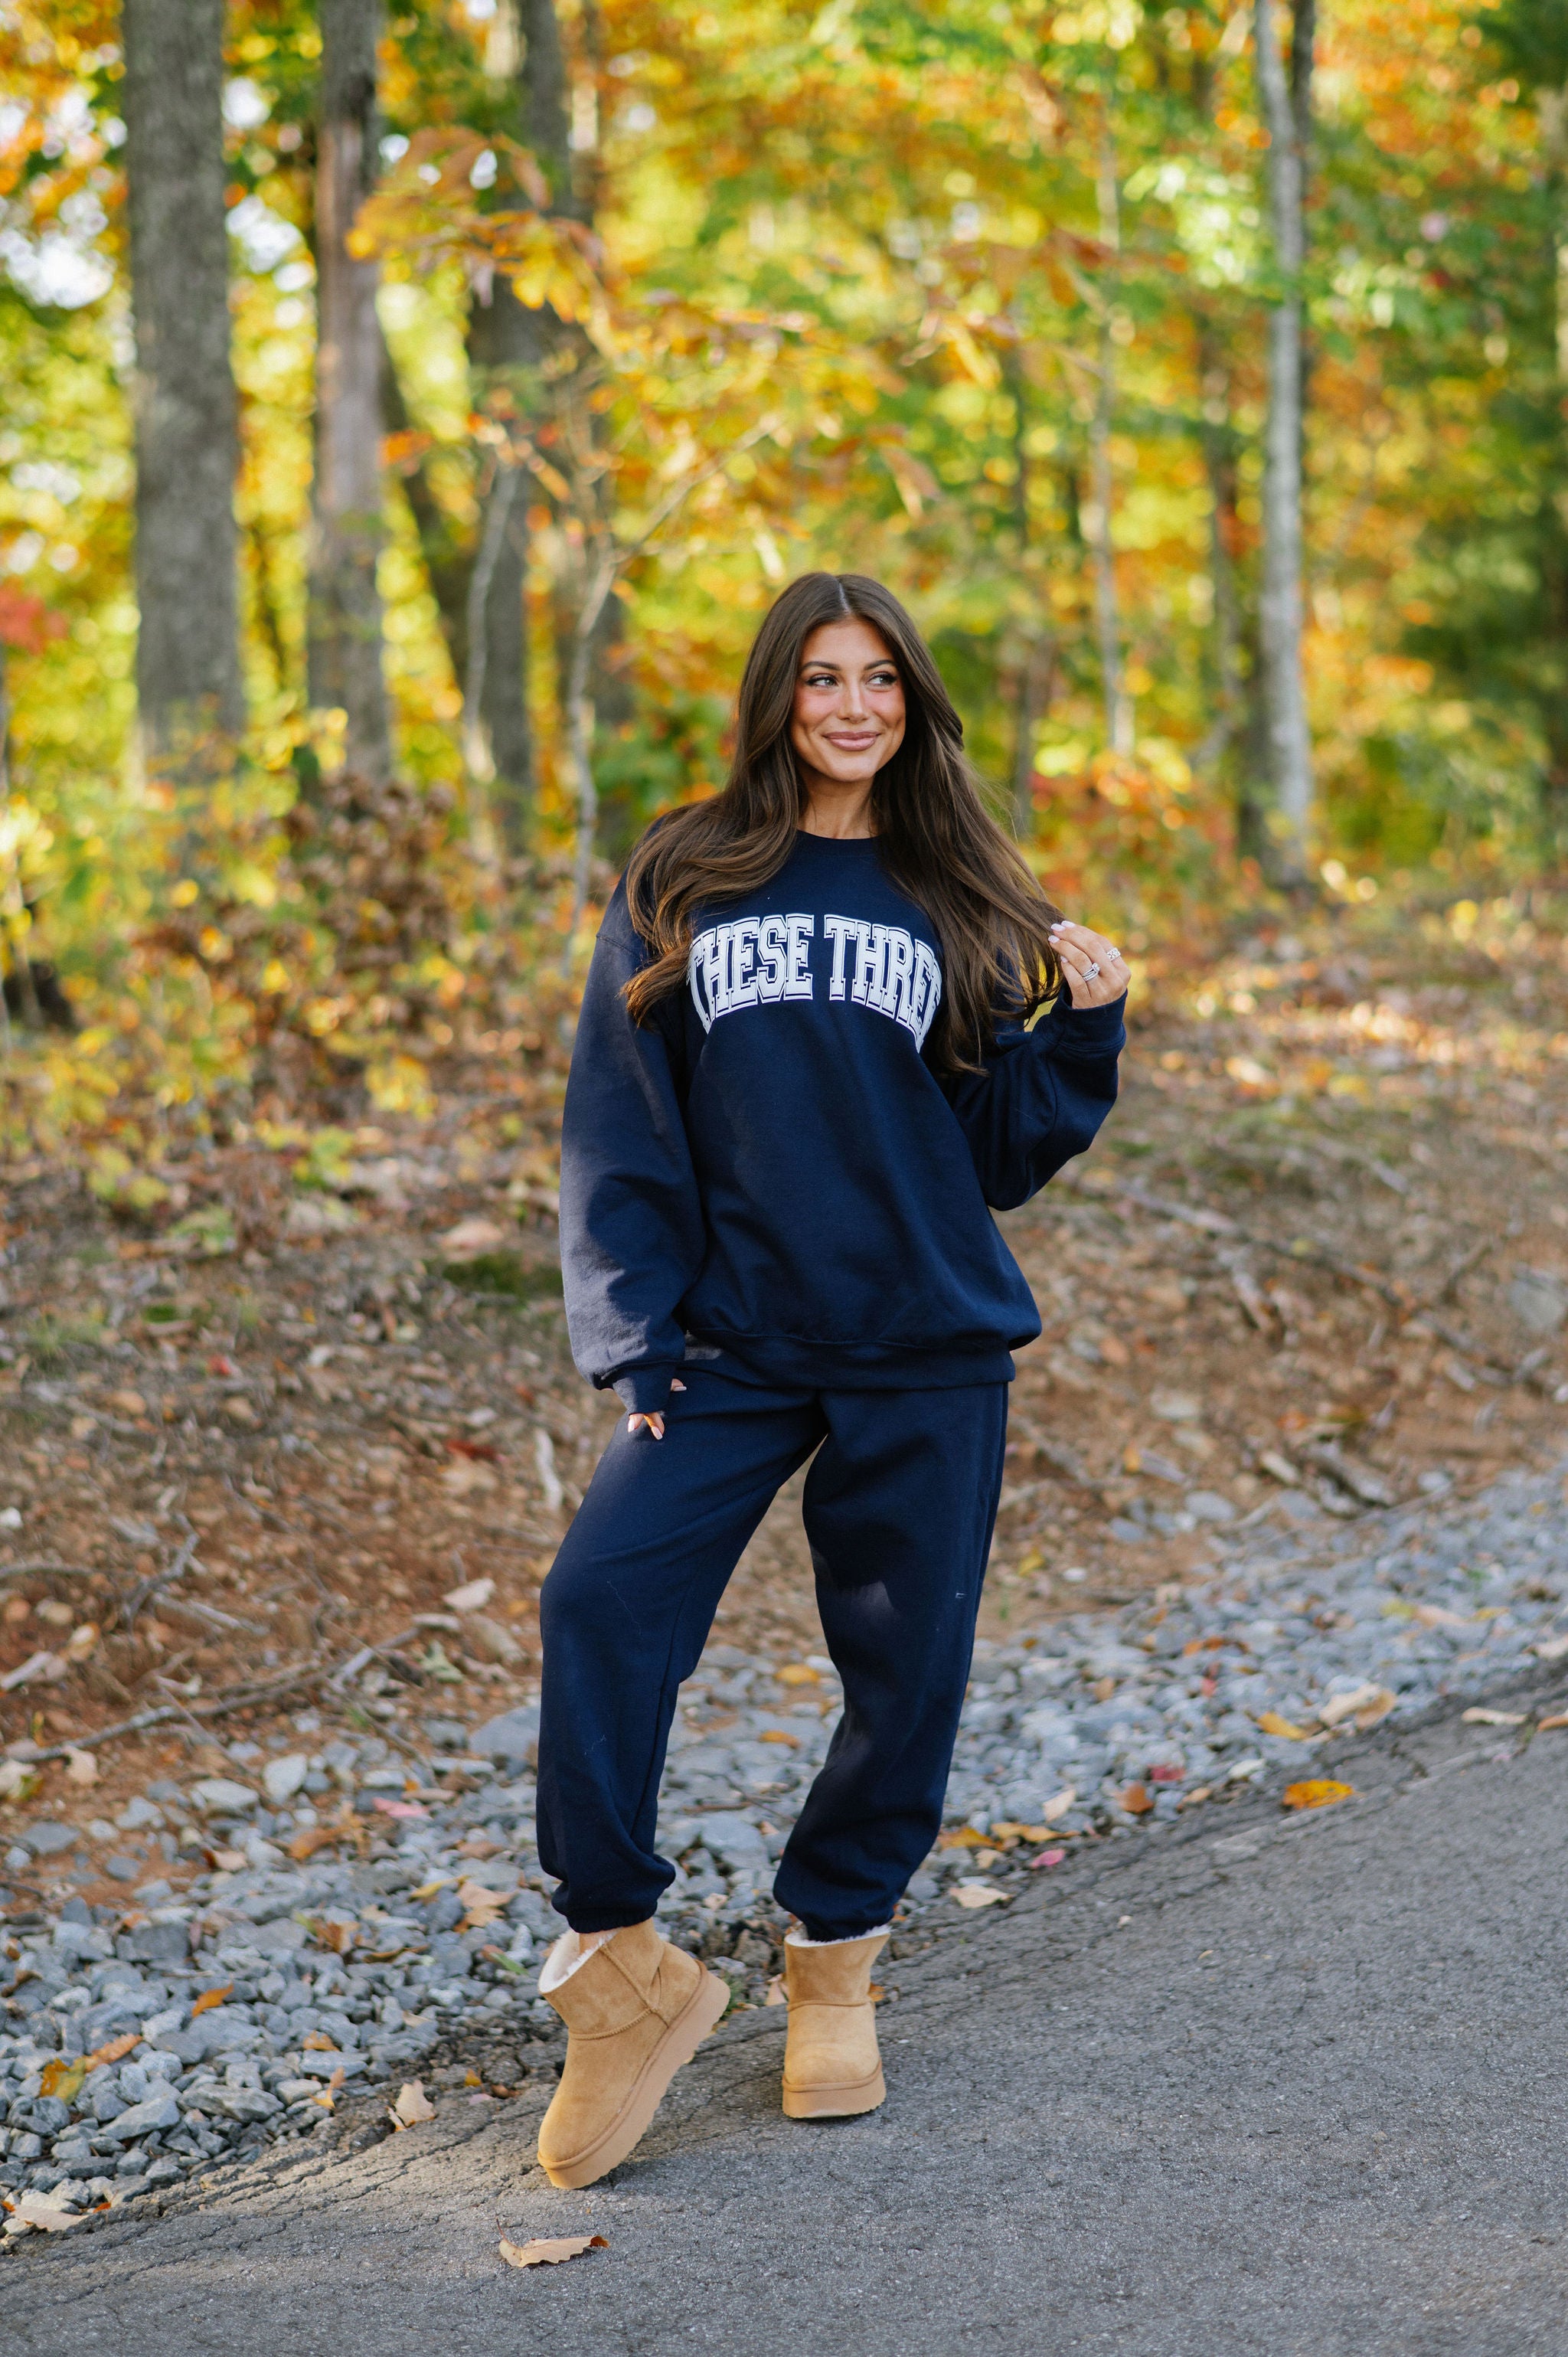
x: 767, y: 1192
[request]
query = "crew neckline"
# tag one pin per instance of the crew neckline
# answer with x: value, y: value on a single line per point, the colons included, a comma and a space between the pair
x: 838, y: 842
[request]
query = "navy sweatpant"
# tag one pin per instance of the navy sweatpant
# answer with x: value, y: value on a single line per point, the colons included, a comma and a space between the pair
x: 900, y: 1504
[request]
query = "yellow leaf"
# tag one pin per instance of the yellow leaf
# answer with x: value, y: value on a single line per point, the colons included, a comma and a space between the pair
x: 550, y: 2253
x: 210, y: 1998
x: 1270, y: 1723
x: 1318, y: 1793
x: 962, y: 1837
x: 978, y: 1894
x: 1479, y: 1718
x: 1558, y: 1719
x: 798, y: 1674
x: 63, y: 2079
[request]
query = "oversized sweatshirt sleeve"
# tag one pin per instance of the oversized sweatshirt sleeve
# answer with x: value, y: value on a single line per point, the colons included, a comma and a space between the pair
x: 631, y: 1221
x: 1040, y: 1098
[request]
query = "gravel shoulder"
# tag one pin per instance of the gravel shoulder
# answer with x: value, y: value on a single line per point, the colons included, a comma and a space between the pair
x: 1281, y: 2086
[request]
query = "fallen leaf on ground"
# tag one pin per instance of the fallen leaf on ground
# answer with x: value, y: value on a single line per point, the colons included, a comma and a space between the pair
x: 549, y: 2254
x: 1047, y: 1858
x: 1365, y: 1705
x: 1270, y: 1723
x: 210, y: 1998
x: 62, y: 2078
x: 1137, y: 1799
x: 481, y: 1907
x: 1558, y: 1719
x: 313, y: 1838
x: 978, y: 1894
x: 798, y: 1674
x: 37, y: 2211
x: 1058, y: 1804
x: 413, y: 2104
x: 1318, y: 1793
x: 962, y: 1837
x: 230, y: 1860
x: 1482, y: 1717
x: 1550, y: 1648
x: 116, y: 2050
x: 405, y: 1810
x: 776, y: 1991
x: 81, y: 1766
x: 1437, y: 1616
x: 316, y: 2042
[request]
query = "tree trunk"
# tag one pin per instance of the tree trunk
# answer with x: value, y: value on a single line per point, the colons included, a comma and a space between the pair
x: 1290, y: 744
x: 1119, y: 717
x: 1553, y: 109
x: 188, y: 653
x: 1217, y: 441
x: 504, y: 339
x: 345, y: 658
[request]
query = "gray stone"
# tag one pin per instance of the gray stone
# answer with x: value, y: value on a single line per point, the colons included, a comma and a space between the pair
x: 732, y: 1839
x: 513, y: 1738
x: 282, y: 1937
x: 220, y: 1796
x: 159, y: 2112
x: 49, y: 1839
x: 243, y: 2103
x: 282, y: 1779
x: 153, y: 1944
x: 119, y: 1867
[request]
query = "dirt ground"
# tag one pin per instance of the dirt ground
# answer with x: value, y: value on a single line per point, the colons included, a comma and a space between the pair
x: 1321, y: 1249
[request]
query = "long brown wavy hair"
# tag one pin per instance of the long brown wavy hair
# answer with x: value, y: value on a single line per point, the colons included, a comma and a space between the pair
x: 939, y: 843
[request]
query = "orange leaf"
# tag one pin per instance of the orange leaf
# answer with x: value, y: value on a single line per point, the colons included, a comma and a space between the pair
x: 316, y: 2042
x: 1137, y: 1800
x: 116, y: 2050
x: 962, y: 1837
x: 313, y: 1838
x: 210, y: 1998
x: 1318, y: 1793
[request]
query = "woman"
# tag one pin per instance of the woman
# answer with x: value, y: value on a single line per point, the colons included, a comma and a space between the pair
x: 800, y: 1076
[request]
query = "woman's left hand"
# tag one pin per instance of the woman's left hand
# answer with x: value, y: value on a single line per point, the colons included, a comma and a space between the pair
x: 1094, y: 970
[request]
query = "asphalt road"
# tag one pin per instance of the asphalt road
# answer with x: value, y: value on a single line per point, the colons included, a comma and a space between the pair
x: 1286, y: 2088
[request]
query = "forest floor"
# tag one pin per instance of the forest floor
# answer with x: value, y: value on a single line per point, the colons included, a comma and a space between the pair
x: 1321, y: 1248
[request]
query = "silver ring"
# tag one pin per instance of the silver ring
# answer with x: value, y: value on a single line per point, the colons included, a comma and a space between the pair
x: 1089, y: 972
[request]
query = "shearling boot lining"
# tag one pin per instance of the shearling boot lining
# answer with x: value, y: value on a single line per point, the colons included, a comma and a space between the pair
x: 566, y: 1957
x: 799, y: 1939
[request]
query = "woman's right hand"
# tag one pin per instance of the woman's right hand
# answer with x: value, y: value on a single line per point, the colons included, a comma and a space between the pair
x: 654, y: 1420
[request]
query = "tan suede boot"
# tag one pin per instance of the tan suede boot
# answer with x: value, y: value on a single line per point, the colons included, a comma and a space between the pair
x: 832, y: 2067
x: 635, y: 2009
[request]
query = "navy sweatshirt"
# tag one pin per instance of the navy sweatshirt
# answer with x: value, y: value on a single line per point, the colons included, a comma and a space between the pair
x: 768, y: 1176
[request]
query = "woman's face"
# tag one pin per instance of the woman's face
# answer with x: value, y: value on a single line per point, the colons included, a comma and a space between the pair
x: 848, y: 720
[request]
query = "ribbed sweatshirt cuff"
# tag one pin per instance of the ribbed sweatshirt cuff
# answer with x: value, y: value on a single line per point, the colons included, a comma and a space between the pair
x: 1091, y: 1031
x: 644, y: 1390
